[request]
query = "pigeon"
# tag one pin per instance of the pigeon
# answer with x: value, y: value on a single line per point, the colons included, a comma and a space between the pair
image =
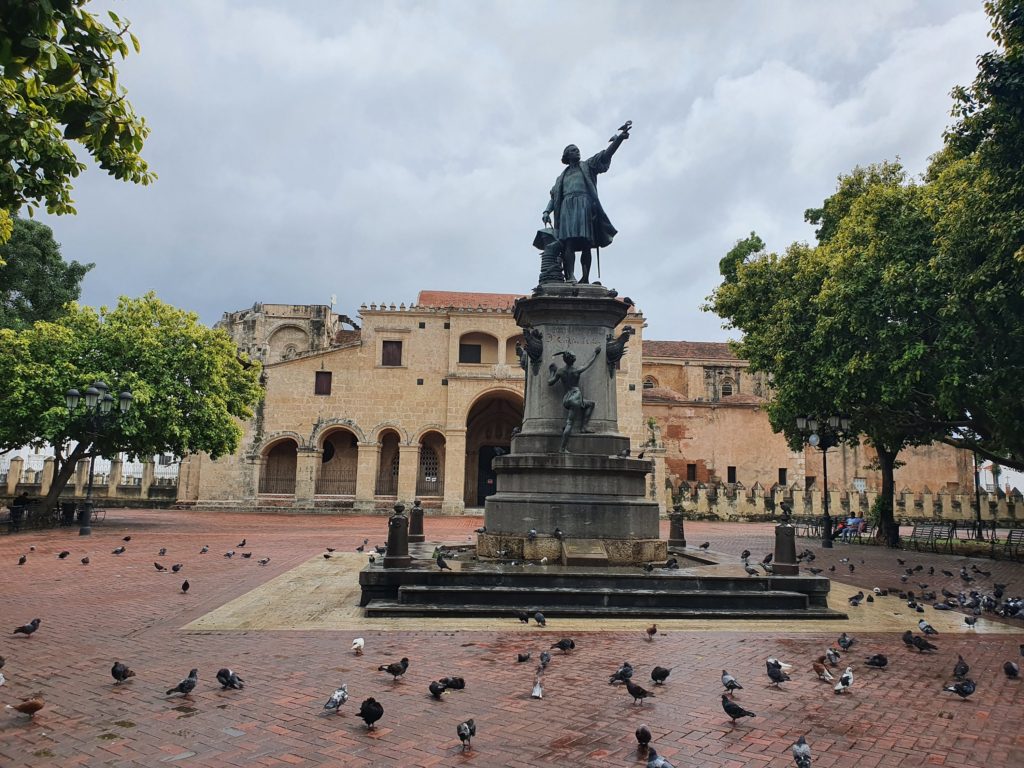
x: 660, y: 674
x: 777, y: 676
x: 705, y: 545
x: 558, y: 534
x: 64, y: 553
x: 229, y: 679
x: 120, y: 672
x: 923, y: 645
x: 184, y: 586
x: 750, y: 571
x: 845, y: 682
x: 85, y: 560
x: 330, y: 549
x: 545, y: 659
x: 127, y: 538
x: 204, y: 550
x: 186, y: 686
x: 832, y: 655
x: 846, y: 642
x: 654, y: 760
x: 961, y: 668
x: 357, y: 646
x: 339, y: 697
x: 29, y: 706
x: 453, y: 683
x: 371, y: 711
x: 734, y: 710
x: 821, y: 670
x: 622, y: 674
x: 963, y: 688
x: 908, y: 639
x: 927, y: 628
x: 802, y: 753
x: 780, y: 664
x: 538, y: 689
x: 767, y: 559
x: 539, y: 618
x: 523, y: 657
x: 327, y: 556
x: 263, y: 560
x: 159, y: 567
x: 436, y: 689
x: 162, y: 552
x: 372, y: 559
x: 28, y: 629
x: 229, y: 554
x: 730, y: 683
x: 565, y: 645
x: 396, y: 669
x: 442, y: 564
x: 523, y: 617
x: 531, y: 534
x: 119, y: 551
x: 241, y: 544
x: 381, y: 550
x: 247, y: 555
x: 878, y: 661
x: 643, y: 738
x: 652, y: 631
x: 970, y: 621
x: 362, y: 547
x: 466, y: 731
x: 23, y: 559
x: 177, y: 567
x: 1012, y: 670
x: 745, y: 555
x: 637, y: 692
x: 3, y: 680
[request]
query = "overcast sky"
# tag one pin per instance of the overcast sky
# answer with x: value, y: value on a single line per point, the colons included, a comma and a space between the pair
x: 372, y: 150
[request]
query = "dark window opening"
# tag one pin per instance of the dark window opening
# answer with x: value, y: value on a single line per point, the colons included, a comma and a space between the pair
x: 691, y: 473
x: 419, y: 382
x: 730, y: 473
x: 447, y: 326
x: 322, y: 385
x: 391, y: 353
x: 423, y: 325
x: 469, y: 353
x: 726, y: 388
x: 782, y: 475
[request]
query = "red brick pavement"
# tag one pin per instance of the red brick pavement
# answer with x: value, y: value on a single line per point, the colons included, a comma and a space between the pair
x: 121, y: 608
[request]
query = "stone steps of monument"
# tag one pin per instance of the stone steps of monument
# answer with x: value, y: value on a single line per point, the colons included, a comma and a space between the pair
x: 393, y: 609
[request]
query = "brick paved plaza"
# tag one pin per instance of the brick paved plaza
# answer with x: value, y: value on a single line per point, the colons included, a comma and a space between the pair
x: 121, y: 608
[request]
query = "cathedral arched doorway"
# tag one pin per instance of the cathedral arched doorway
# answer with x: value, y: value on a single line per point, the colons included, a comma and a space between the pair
x: 387, y: 470
x: 338, y: 463
x: 278, y: 474
x: 430, y: 475
x: 489, y: 428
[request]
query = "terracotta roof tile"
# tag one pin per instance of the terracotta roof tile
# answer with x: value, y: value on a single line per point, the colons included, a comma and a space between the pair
x: 465, y: 300
x: 346, y: 336
x: 663, y: 395
x: 689, y: 350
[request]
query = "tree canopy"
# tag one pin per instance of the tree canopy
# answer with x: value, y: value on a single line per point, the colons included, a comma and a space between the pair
x: 189, y: 386
x: 58, y: 84
x: 35, y: 282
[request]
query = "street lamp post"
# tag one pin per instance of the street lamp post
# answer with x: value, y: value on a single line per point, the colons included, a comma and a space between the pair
x: 98, y: 406
x: 824, y: 435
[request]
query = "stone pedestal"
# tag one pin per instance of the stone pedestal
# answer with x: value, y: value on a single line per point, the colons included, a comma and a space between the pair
x: 397, y: 555
x: 416, y: 535
x: 594, y: 491
x: 785, y: 551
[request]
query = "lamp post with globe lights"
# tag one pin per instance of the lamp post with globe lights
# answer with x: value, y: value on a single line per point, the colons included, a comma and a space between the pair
x: 98, y: 416
x: 824, y: 434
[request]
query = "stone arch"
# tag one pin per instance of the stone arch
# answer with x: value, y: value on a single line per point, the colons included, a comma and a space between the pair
x: 277, y: 473
x: 260, y: 449
x: 387, y: 469
x: 328, y: 424
x: 489, y: 420
x: 435, y: 427
x: 486, y: 345
x: 650, y: 382
x: 339, y: 462
x: 378, y: 430
x: 285, y: 336
x: 432, y: 456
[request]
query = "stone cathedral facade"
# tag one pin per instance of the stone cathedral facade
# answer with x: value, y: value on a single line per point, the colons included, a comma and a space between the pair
x: 416, y: 401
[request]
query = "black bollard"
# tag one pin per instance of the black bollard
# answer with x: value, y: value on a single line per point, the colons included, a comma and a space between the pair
x: 676, y: 530
x: 416, y: 523
x: 785, y: 546
x: 397, y: 555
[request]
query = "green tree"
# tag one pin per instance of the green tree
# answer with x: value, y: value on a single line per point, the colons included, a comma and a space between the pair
x: 190, y: 388
x: 35, y: 282
x: 58, y: 83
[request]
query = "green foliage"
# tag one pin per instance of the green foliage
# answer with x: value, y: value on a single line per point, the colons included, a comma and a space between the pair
x: 743, y: 251
x: 58, y: 84
x: 190, y: 388
x: 35, y: 282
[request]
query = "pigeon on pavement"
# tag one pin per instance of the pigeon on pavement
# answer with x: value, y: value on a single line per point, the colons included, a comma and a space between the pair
x: 565, y: 644
x: 119, y: 551
x: 28, y: 629
x: 622, y: 674
x: 339, y: 697
x: 539, y: 618
x: 776, y: 675
x: 923, y: 645
x: 660, y: 674
x: 120, y: 672
x: 832, y: 656
x: 961, y: 668
x: 466, y: 731
x: 963, y: 688
x: 730, y: 683
x: 643, y: 738
x: 545, y: 659
x: 23, y: 559
x: 523, y: 657
x: 652, y: 631
x: 926, y: 628
x: 396, y: 669
x: 185, y: 585
x: 371, y: 711
x: 453, y: 683
x: 29, y: 706
x: 878, y: 661
x: 802, y: 753
x: 1011, y: 670
x: 186, y: 686
x: 442, y: 564
x: 229, y: 679
x: 64, y: 553
x: 734, y: 710
x: 538, y: 689
x: 637, y: 692
x: 436, y: 689
x: 357, y: 646
x: 654, y: 760
x: 846, y: 641
x: 845, y: 682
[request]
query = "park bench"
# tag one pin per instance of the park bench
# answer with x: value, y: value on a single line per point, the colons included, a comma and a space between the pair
x: 932, y: 535
x: 1014, y: 543
x: 807, y: 526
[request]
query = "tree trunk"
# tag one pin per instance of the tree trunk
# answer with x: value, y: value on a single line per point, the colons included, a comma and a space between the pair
x: 61, y: 477
x: 886, y: 522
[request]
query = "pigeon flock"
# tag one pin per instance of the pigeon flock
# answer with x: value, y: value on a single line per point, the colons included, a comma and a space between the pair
x: 841, y: 664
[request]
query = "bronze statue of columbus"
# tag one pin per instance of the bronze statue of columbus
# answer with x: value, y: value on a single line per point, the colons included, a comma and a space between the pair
x: 580, y: 223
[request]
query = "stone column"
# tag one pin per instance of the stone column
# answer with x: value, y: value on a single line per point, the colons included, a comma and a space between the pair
x: 656, y: 454
x: 81, y: 477
x: 113, y: 479
x: 147, y: 478
x: 408, y: 470
x: 454, y: 502
x: 307, y: 464
x: 47, y: 480
x: 14, y: 475
x: 366, y: 476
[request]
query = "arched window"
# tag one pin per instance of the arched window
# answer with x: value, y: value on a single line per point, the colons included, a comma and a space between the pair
x: 650, y: 382
x: 727, y: 387
x: 429, y: 480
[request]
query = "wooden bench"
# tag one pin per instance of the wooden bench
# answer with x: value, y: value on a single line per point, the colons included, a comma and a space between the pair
x: 932, y: 534
x: 1014, y: 543
x: 807, y: 526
